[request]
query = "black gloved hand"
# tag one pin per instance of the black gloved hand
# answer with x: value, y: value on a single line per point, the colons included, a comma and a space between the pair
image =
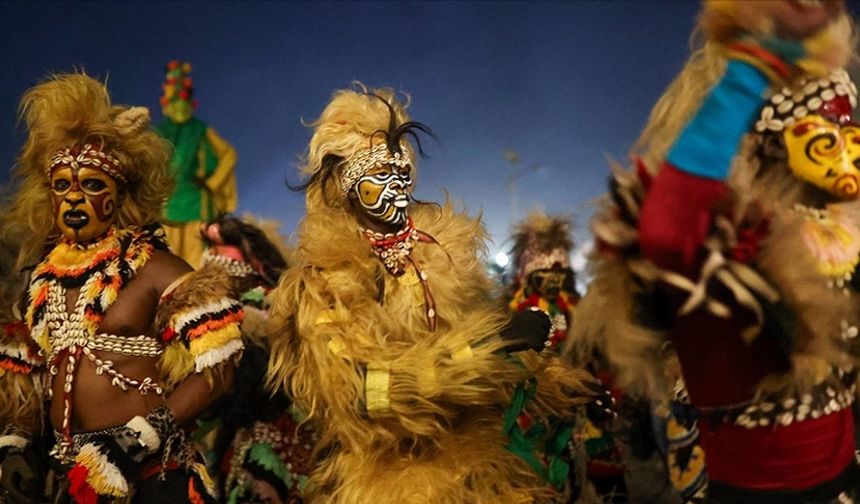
x: 527, y: 330
x: 601, y: 410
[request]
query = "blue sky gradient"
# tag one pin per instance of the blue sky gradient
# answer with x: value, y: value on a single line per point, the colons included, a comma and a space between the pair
x: 564, y: 84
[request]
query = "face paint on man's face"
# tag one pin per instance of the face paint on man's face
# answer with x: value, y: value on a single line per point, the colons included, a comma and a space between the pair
x: 384, y: 193
x: 548, y: 283
x: 85, y: 202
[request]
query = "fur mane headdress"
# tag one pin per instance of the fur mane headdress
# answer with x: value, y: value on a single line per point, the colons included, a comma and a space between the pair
x: 357, y: 129
x: 540, y: 241
x: 72, y: 110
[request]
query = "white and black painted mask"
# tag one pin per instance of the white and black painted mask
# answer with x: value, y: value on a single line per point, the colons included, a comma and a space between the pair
x: 385, y: 192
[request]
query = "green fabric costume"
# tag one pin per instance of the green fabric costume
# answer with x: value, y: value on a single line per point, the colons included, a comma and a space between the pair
x: 192, y: 149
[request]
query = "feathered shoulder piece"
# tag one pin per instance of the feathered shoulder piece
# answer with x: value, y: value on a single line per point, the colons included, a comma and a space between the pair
x: 199, y: 322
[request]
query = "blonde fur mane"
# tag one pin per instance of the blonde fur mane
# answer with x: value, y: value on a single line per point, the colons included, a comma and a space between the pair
x: 69, y: 109
x: 353, y: 120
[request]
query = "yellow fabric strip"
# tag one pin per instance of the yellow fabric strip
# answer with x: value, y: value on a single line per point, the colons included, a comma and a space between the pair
x: 461, y: 350
x: 336, y: 346
x: 376, y: 384
x: 222, y: 182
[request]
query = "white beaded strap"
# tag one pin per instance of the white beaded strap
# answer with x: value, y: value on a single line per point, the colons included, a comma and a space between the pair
x: 138, y: 346
x: 120, y: 380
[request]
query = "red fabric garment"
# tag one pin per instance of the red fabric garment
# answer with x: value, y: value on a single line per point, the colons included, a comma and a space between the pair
x: 796, y: 457
x: 676, y: 218
x: 719, y: 367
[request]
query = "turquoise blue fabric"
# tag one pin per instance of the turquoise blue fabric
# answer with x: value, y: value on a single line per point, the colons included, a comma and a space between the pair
x: 709, y: 142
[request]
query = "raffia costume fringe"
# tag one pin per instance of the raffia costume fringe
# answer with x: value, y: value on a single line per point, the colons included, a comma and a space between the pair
x: 435, y: 401
x: 607, y: 313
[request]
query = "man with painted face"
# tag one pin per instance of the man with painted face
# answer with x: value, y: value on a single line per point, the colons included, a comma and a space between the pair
x: 734, y: 243
x: 544, y: 280
x: 134, y: 342
x: 387, y: 334
x: 202, y: 166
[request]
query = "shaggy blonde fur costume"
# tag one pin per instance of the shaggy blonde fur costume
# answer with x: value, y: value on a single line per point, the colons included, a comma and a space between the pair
x: 405, y: 414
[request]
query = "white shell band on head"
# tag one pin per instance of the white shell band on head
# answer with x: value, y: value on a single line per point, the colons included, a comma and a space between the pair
x: 534, y: 260
x: 91, y: 158
x: 788, y: 105
x: 363, y: 160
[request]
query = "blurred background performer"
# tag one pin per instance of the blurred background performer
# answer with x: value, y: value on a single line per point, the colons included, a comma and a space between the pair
x: 202, y: 166
x: 735, y: 242
x: 262, y: 450
x: 544, y: 280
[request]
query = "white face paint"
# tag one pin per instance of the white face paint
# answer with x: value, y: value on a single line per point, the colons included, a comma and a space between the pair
x: 384, y: 193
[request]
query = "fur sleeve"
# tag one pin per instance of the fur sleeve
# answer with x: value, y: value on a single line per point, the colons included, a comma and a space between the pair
x: 336, y: 363
x: 20, y: 366
x: 199, y: 323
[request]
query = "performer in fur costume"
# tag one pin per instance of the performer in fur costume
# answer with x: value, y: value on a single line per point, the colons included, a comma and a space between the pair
x: 544, y: 280
x: 202, y: 166
x: 736, y: 240
x: 543, y: 277
x: 266, y: 451
x: 388, y: 336
x: 135, y: 343
x: 22, y: 471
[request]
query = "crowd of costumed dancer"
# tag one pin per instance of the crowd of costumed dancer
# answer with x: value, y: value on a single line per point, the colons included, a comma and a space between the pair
x: 156, y: 347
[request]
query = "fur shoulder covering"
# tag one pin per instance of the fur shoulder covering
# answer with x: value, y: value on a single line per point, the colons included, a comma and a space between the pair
x: 199, y: 322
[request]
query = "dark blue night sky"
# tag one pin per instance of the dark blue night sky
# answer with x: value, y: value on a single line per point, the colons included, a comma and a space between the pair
x: 563, y: 84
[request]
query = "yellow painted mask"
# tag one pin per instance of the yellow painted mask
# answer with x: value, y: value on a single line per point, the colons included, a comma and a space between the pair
x: 84, y: 191
x: 809, y: 126
x: 825, y: 154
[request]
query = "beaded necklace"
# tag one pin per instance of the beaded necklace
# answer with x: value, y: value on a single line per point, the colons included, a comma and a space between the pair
x: 99, y: 269
x: 395, y: 251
